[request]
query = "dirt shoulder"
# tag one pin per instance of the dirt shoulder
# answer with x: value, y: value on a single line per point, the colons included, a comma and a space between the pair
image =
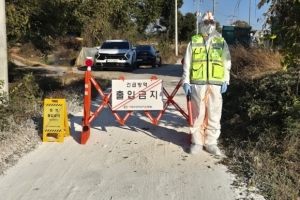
x: 26, y: 137
x: 31, y: 64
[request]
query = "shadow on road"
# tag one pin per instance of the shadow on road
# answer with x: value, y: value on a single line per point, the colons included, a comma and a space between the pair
x: 169, y: 128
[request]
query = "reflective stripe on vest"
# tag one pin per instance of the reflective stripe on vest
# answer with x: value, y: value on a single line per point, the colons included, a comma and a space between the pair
x: 207, y: 68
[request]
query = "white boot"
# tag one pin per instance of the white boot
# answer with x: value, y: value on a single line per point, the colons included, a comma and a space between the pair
x: 213, y: 149
x: 195, y: 148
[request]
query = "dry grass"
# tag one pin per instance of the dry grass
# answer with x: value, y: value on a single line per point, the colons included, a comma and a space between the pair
x: 168, y: 56
x: 260, y: 130
x: 21, y: 139
x: 249, y: 64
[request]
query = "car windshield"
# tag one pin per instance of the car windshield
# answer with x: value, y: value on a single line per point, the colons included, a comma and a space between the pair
x: 115, y: 45
x: 143, y: 48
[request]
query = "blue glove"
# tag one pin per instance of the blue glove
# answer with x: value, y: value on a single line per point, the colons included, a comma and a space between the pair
x: 187, y: 88
x: 223, y: 87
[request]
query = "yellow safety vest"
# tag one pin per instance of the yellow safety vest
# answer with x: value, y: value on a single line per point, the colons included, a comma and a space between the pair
x: 207, y: 68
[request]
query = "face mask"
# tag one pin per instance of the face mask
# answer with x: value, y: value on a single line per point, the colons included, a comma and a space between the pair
x: 207, y: 29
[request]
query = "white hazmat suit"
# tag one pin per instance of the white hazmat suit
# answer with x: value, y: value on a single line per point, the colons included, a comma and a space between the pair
x: 206, y: 99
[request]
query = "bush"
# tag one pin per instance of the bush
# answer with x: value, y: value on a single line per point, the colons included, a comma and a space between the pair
x: 260, y: 123
x: 24, y: 102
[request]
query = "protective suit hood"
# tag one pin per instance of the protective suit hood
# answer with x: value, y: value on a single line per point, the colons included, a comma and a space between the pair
x: 207, y: 24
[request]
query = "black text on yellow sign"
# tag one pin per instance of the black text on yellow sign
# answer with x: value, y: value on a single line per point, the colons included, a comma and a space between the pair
x: 55, y: 122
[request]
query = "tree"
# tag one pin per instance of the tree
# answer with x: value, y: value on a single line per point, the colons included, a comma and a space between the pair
x: 42, y: 21
x: 36, y: 21
x: 218, y: 27
x: 44, y: 25
x: 122, y: 21
x: 240, y: 23
x: 17, y: 18
x: 146, y: 12
x: 188, y: 28
x: 284, y: 21
x: 95, y: 19
x: 168, y: 16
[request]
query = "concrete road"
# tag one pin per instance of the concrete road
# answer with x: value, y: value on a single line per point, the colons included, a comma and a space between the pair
x: 135, y: 161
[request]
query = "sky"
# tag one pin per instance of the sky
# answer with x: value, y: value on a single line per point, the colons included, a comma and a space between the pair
x: 227, y: 11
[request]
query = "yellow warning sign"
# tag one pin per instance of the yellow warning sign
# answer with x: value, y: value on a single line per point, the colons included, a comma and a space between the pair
x: 55, y: 122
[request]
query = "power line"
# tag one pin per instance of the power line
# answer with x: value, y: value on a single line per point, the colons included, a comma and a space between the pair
x: 230, y: 19
x: 255, y: 7
x: 233, y: 17
x: 237, y: 6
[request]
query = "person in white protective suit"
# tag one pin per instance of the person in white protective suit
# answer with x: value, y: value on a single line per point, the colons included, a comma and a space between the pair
x: 206, y: 74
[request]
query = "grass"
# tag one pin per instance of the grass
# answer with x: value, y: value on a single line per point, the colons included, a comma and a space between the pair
x: 260, y: 123
x: 250, y: 64
x: 260, y: 120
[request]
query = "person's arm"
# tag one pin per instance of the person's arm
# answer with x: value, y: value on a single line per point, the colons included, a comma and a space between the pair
x: 187, y: 64
x: 226, y: 62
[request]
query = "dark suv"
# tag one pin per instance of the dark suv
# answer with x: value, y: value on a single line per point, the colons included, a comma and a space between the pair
x: 147, y: 55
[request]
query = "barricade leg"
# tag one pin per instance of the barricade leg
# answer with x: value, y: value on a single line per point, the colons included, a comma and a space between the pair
x: 86, y: 126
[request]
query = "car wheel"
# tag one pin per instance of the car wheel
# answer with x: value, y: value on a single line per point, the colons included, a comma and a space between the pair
x: 159, y: 64
x: 135, y: 65
x: 130, y: 68
x: 154, y: 64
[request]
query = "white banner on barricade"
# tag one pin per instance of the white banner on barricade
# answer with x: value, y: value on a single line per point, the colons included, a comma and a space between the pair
x: 143, y: 94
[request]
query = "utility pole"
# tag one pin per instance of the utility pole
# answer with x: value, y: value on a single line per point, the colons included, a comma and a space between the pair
x: 176, y: 32
x: 3, y: 48
x: 198, y: 14
x: 197, y: 28
x: 249, y: 12
x: 214, y: 7
x: 197, y: 20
